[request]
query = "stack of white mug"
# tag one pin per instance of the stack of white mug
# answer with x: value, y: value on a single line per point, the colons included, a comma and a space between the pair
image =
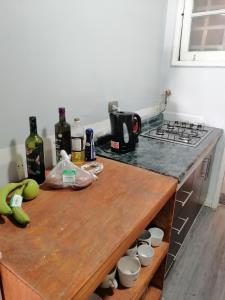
x: 139, y: 254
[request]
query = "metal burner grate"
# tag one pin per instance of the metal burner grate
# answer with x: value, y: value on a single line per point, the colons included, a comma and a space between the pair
x: 184, y: 133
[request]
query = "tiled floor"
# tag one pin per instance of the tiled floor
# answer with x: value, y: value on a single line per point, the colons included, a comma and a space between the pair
x: 199, y: 274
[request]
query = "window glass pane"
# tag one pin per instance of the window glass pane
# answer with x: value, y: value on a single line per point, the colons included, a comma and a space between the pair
x: 206, y: 5
x: 207, y: 33
x: 196, y: 40
x: 214, y: 37
x: 217, y: 20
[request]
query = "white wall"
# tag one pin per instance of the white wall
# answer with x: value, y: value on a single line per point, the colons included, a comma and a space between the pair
x: 195, y: 90
x: 74, y: 53
x: 78, y: 54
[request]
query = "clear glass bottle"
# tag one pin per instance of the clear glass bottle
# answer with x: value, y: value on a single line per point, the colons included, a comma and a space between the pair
x: 77, y: 142
x: 35, y: 153
x: 62, y: 135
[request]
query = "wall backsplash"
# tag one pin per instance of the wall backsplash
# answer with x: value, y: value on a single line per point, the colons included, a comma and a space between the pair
x: 13, y: 159
x: 78, y: 54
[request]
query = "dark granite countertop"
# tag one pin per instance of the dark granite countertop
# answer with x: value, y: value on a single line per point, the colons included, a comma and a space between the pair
x: 159, y: 156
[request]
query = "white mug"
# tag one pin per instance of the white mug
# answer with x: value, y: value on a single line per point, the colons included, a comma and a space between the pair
x: 145, y: 254
x: 110, y: 281
x: 128, y: 270
x: 157, y: 236
x: 132, y: 251
x: 144, y: 237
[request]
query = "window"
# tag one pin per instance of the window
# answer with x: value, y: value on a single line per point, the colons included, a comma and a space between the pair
x: 200, y: 33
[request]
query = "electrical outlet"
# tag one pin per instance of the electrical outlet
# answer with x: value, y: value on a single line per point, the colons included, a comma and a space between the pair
x: 113, y: 106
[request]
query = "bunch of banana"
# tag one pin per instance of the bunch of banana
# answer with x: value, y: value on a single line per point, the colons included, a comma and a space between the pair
x: 28, y: 189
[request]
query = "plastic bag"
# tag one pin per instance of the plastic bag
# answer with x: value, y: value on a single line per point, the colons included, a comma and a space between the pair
x: 66, y: 174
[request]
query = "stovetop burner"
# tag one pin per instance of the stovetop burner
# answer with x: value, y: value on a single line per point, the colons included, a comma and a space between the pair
x: 160, y: 131
x: 186, y: 133
x: 185, y: 137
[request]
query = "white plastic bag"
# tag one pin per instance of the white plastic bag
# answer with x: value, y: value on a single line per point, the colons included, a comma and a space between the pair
x: 66, y: 174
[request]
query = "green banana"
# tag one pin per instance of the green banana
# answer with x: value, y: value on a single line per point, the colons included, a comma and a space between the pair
x: 17, y: 212
x: 4, y: 192
x: 31, y: 190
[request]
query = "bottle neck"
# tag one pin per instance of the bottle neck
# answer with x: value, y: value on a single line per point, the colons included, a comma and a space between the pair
x: 33, y: 127
x: 62, y: 118
x: 33, y: 130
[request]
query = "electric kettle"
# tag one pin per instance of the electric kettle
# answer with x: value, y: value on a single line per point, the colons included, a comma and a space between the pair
x: 125, y: 127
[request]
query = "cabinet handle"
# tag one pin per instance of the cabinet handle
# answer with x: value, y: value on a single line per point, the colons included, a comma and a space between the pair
x: 205, y: 168
x: 173, y: 256
x: 182, y: 227
x: 178, y: 243
x: 208, y: 167
x: 187, y: 198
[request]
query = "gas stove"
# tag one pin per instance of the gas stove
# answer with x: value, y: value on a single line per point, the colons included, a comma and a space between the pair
x: 179, y: 132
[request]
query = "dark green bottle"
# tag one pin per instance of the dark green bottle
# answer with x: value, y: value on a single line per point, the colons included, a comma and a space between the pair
x: 35, y: 153
x: 62, y: 134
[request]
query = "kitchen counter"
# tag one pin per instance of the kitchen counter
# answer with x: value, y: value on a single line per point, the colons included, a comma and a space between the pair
x: 163, y: 157
x: 76, y: 237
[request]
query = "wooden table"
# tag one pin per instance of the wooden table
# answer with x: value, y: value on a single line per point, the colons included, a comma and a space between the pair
x: 76, y: 237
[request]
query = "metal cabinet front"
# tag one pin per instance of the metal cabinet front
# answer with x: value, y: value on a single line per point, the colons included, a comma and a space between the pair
x: 189, y: 200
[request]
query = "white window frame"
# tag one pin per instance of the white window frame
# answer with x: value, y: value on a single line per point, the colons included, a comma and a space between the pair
x: 181, y: 56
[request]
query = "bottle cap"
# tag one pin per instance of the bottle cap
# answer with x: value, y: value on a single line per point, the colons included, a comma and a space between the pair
x: 32, y: 121
x: 33, y: 124
x: 61, y: 110
x: 32, y: 118
x: 76, y: 119
x: 89, y: 131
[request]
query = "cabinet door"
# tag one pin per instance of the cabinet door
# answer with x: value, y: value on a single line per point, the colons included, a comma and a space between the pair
x: 183, y: 196
x: 197, y: 187
x: 189, y: 200
x: 181, y: 220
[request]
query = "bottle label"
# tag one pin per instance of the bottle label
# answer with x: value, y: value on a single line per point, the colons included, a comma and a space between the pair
x: 115, y: 145
x: 62, y: 142
x: 16, y: 201
x: 58, y: 143
x: 90, y: 151
x: 69, y: 176
x: 77, y: 143
x: 35, y: 160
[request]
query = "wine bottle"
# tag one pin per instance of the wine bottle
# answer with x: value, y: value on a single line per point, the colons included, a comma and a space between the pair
x: 77, y: 138
x: 35, y: 153
x: 62, y: 135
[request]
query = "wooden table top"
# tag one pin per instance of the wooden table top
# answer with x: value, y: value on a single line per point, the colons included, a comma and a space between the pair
x: 75, y: 237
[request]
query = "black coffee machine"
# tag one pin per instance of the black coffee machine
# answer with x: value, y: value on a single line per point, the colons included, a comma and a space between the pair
x: 125, y: 126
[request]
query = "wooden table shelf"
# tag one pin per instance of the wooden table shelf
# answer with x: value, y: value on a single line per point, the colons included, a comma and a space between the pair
x: 76, y: 237
x: 144, y: 278
x: 153, y: 293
